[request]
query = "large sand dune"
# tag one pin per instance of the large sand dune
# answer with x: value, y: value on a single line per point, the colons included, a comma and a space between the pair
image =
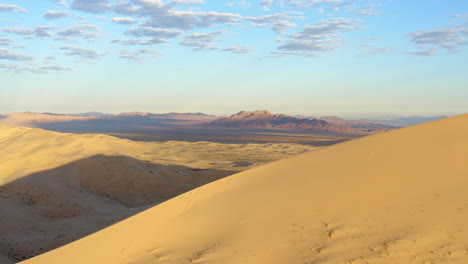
x: 396, y: 197
x: 56, y: 187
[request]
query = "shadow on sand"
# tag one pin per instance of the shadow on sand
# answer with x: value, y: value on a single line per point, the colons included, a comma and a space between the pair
x: 48, y: 209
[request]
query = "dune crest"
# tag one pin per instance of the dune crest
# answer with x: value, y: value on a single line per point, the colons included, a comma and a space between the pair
x: 396, y: 197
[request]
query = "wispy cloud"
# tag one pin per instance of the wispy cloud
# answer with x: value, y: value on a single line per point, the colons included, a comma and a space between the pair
x: 50, y: 14
x: 37, y: 32
x: 323, y: 36
x: 8, y: 55
x: 123, y: 20
x: 139, y: 55
x: 85, y: 31
x: 446, y: 38
x: 81, y: 52
x: 11, y: 8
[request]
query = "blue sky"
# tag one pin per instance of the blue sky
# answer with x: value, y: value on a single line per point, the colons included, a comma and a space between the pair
x: 354, y: 58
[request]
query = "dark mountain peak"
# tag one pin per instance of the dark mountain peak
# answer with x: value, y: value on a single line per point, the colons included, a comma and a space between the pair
x: 262, y: 119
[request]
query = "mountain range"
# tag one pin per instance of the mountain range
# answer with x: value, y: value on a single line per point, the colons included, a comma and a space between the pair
x: 143, y: 122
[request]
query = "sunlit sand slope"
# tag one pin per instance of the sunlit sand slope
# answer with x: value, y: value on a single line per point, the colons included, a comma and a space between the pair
x: 56, y: 187
x: 397, y: 197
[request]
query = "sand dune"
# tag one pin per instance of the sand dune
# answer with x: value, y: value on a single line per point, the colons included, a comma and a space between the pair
x: 56, y: 187
x: 396, y: 197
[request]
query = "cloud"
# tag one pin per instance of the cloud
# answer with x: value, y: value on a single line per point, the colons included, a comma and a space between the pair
x: 323, y: 36
x: 190, y: 19
x: 268, y: 18
x: 61, y: 2
x: 150, y: 35
x: 294, y: 53
x: 86, y: 31
x: 7, y: 55
x: 446, y: 38
x: 157, y: 34
x: 54, y: 68
x: 436, y: 37
x: 6, y: 42
x: 123, y: 20
x: 338, y: 6
x: 202, y: 41
x: 281, y: 27
x: 238, y: 49
x: 11, y: 8
x: 266, y: 4
x: 81, y: 52
x: 430, y: 52
x: 91, y: 6
x: 377, y: 51
x: 242, y: 3
x: 462, y: 16
x: 38, y: 31
x: 140, y: 55
x: 309, y: 3
x: 367, y: 10
x: 49, y: 15
x: 142, y: 42
x: 186, y: 2
x: 8, y: 66
x: 277, y: 22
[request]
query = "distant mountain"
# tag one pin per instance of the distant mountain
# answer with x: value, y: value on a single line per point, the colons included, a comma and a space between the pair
x: 265, y: 120
x: 100, y: 122
x: 358, y: 124
x: 408, y: 121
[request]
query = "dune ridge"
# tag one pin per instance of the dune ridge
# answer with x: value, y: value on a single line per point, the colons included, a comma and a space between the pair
x: 396, y: 197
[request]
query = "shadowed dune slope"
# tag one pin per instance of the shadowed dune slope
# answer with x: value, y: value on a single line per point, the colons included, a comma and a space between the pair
x: 396, y: 197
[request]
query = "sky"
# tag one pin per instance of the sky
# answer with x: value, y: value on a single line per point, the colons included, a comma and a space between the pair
x: 353, y: 58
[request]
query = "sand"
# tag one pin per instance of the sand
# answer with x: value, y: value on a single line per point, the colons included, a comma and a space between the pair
x: 395, y: 197
x: 57, y: 187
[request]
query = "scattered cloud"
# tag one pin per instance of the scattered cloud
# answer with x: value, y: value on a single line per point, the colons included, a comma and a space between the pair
x: 92, y: 6
x: 266, y: 4
x: 123, y: 20
x: 242, y: 3
x: 153, y: 32
x: 367, y: 10
x: 429, y: 52
x: 238, y: 49
x: 142, y: 42
x: 11, y: 8
x: 202, y: 41
x: 377, y: 51
x: 85, y: 31
x: 7, y: 55
x: 80, y: 52
x: 277, y: 22
x: 6, y: 42
x: 446, y: 38
x: 61, y: 2
x: 54, y: 68
x: 49, y: 15
x: 186, y: 2
x: 37, y: 32
x: 140, y: 55
x: 8, y: 66
x: 323, y: 36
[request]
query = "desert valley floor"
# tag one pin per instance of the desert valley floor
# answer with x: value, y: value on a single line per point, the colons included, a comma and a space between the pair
x: 396, y: 197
